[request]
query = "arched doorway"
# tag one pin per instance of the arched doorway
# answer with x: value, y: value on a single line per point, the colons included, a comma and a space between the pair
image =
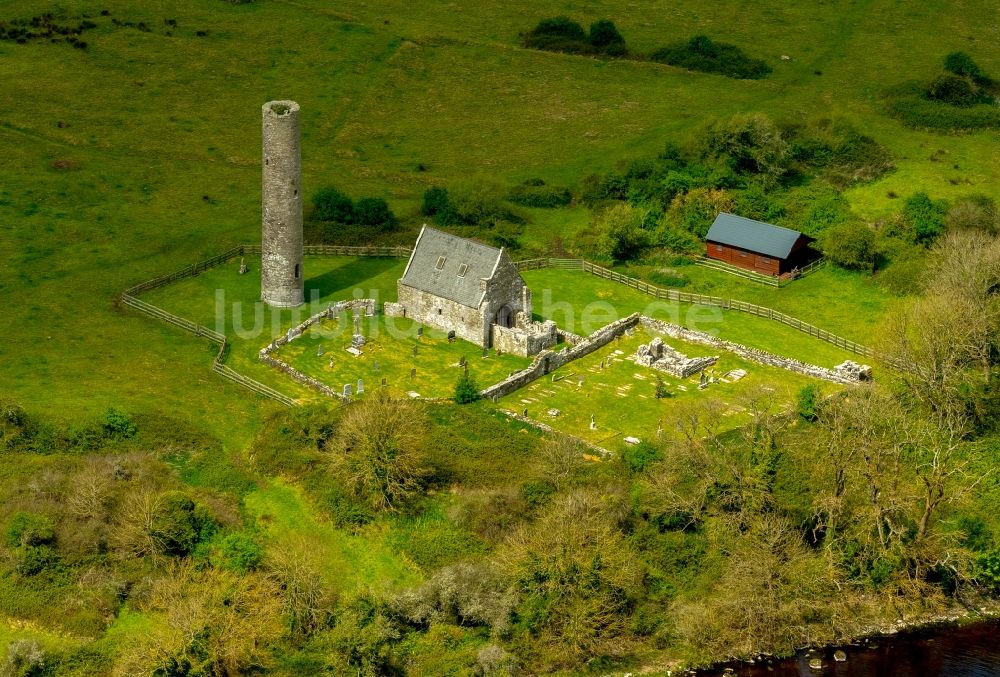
x: 505, y: 317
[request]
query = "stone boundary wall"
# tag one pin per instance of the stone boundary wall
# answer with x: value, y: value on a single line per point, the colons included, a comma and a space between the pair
x: 366, y: 305
x: 747, y: 353
x: 548, y: 360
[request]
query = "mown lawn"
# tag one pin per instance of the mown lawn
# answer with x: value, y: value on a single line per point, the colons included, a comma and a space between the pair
x: 582, y: 303
x: 846, y: 303
x: 388, y: 354
x: 621, y: 396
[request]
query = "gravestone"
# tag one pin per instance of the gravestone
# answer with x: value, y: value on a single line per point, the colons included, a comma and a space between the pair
x: 420, y: 332
x: 451, y: 336
x: 243, y: 266
x: 361, y: 386
x: 593, y: 423
x: 348, y: 392
x: 414, y: 350
x: 383, y: 381
x: 319, y: 350
x: 413, y: 374
x: 376, y: 366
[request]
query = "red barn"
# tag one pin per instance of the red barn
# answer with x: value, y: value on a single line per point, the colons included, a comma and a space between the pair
x: 761, y: 247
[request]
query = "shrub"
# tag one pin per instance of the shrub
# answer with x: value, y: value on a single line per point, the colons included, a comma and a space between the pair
x: 605, y: 38
x: 559, y: 34
x: 179, y: 524
x: 925, y: 216
x: 988, y: 570
x: 850, y: 245
x: 435, y: 201
x: 638, y: 457
x: 374, y: 212
x: 751, y: 145
x: 466, y: 390
x: 909, y: 104
x: 808, y: 397
x: 962, y: 64
x: 973, y: 212
x: 623, y: 233
x: 702, y: 54
x: 662, y: 392
x: 329, y: 204
x: 29, y: 529
x: 118, y: 425
x: 534, y: 193
x: 241, y: 553
x: 956, y: 90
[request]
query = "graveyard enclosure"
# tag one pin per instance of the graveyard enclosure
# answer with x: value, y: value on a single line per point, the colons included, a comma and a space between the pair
x: 622, y: 395
x: 321, y: 353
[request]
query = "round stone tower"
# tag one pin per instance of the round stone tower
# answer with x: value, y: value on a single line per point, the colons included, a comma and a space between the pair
x: 281, y: 275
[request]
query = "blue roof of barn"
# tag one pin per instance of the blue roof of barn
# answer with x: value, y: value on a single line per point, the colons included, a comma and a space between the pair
x: 755, y: 236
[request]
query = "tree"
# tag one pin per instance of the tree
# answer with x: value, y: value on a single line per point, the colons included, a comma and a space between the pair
x: 925, y: 216
x: 329, y: 204
x: 623, y: 234
x: 205, y: 621
x: 377, y: 450
x: 605, y: 38
x: 559, y: 34
x: 436, y: 202
x: 374, y: 212
x: 466, y: 390
x: 851, y: 245
x: 751, y: 145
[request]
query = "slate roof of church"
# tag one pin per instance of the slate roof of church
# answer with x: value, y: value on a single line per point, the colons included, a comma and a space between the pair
x: 755, y: 236
x: 422, y: 271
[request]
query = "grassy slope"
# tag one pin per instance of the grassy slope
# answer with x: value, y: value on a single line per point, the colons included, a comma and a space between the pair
x: 162, y: 136
x: 156, y: 123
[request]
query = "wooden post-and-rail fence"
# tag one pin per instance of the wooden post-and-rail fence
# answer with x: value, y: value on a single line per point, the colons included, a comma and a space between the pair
x: 130, y: 298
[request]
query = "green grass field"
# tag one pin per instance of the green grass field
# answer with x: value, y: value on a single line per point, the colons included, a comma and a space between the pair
x: 582, y: 303
x: 621, y: 396
x: 840, y: 301
x: 140, y: 155
x: 390, y: 344
x: 161, y: 134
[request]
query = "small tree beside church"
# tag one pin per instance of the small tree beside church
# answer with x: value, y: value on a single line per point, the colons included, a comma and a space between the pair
x: 466, y: 390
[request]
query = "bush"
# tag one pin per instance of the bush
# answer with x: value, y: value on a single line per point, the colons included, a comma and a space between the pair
x: 850, y: 245
x: 909, y: 104
x: 29, y: 529
x: 534, y: 193
x: 559, y: 34
x: 808, y: 400
x: 240, y: 553
x: 624, y: 235
x: 974, y: 212
x: 637, y: 457
x: 436, y: 202
x: 329, y: 204
x: 466, y: 390
x: 702, y: 54
x: 956, y: 91
x: 118, y: 425
x: 962, y: 64
x: 925, y: 216
x: 374, y: 212
x: 605, y: 38
x: 179, y: 524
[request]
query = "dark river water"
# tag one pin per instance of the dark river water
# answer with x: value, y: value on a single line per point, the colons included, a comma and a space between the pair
x: 967, y: 651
